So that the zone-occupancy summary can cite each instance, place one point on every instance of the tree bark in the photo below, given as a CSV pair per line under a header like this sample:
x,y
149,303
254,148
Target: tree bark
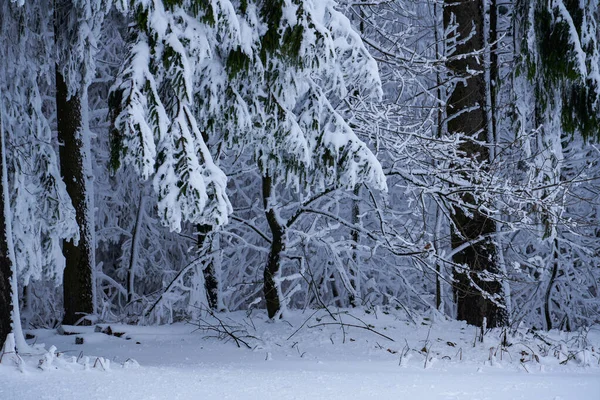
x,y
494,67
467,115
211,283
135,248
354,266
439,50
78,282
272,268
548,294
5,262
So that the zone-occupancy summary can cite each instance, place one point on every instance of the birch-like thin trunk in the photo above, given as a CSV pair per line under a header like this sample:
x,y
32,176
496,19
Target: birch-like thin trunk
x,y
10,316
135,248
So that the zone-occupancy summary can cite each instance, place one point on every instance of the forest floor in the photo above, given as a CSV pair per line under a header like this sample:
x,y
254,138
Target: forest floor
x,y
343,355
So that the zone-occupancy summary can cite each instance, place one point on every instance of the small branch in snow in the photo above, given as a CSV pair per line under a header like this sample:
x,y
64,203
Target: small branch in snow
x,y
368,328
223,330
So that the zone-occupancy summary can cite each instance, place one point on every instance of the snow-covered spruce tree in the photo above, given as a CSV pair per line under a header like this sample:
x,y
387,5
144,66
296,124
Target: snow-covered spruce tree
x,y
135,255
153,109
76,27
265,75
40,209
477,297
155,129
562,61
558,99
310,58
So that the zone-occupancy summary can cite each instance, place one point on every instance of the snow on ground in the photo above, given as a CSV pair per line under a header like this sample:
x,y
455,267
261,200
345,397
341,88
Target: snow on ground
x,y
308,357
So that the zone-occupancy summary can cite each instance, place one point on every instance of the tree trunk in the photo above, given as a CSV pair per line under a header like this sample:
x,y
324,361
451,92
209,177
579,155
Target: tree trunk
x,y
5,262
467,115
548,294
354,266
439,295
271,288
78,282
211,284
135,248
493,68
439,50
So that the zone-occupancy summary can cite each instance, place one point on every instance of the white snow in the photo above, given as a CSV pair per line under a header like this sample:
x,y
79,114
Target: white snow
x,y
304,359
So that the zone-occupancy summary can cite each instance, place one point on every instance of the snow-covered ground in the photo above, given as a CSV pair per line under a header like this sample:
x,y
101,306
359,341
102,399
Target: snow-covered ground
x,y
308,357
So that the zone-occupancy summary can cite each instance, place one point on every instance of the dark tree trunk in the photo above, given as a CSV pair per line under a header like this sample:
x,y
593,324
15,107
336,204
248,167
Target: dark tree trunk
x,y
277,247
472,306
211,284
439,49
494,73
548,295
78,284
5,263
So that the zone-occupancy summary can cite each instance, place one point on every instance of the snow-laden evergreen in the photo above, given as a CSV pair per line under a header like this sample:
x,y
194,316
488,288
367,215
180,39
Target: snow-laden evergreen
x,y
159,135
172,159
42,211
557,108
266,75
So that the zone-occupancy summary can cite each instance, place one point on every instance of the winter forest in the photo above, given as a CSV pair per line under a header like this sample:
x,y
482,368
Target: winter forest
x,y
172,161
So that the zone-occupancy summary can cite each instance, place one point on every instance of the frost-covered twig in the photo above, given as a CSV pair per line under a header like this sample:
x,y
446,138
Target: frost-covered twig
x,y
368,328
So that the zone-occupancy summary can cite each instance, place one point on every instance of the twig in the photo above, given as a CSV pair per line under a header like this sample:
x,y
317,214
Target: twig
x,y
223,330
343,330
353,326
98,360
304,323
427,357
404,352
